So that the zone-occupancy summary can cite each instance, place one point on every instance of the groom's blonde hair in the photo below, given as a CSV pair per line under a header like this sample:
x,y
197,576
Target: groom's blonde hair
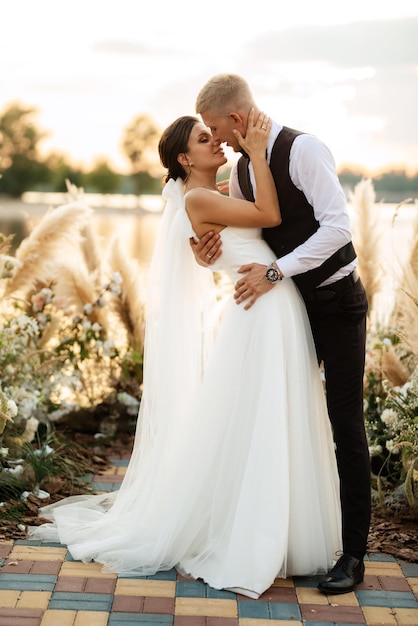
x,y
224,93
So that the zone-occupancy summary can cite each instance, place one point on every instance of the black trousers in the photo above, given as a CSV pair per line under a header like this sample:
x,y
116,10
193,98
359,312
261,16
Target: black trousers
x,y
339,330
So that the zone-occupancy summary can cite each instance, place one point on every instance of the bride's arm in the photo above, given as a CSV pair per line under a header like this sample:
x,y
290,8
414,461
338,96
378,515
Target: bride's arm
x,y
208,208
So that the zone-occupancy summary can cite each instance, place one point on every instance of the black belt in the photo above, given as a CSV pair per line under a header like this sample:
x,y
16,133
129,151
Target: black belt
x,y
328,292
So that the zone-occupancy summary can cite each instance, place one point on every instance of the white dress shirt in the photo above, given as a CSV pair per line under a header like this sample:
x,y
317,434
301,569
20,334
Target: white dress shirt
x,y
312,171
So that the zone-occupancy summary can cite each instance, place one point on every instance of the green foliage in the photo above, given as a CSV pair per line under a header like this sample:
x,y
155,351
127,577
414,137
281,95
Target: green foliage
x,y
48,463
396,180
12,486
101,178
392,185
140,141
59,170
20,165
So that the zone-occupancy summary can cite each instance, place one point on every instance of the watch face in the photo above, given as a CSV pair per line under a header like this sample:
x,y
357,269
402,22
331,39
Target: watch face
x,y
272,275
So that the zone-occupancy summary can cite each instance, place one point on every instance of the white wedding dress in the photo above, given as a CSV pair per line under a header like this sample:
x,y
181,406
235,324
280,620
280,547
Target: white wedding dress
x,y
236,483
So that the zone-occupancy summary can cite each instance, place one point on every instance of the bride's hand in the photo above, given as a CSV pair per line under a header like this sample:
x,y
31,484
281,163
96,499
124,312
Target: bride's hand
x,y
223,186
255,141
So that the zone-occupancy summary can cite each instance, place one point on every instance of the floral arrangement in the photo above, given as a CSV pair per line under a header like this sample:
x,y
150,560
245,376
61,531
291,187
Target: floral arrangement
x,y
391,414
71,333
391,368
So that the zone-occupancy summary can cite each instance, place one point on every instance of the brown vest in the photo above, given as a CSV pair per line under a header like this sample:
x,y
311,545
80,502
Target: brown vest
x,y
298,219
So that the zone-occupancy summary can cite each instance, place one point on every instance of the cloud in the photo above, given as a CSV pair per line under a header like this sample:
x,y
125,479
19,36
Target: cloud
x,y
363,74
121,47
376,43
131,48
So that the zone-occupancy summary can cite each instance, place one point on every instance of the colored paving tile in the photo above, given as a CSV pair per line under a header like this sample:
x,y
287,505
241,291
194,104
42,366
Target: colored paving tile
x,y
42,585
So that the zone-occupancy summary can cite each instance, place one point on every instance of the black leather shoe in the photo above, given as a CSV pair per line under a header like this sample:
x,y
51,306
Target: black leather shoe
x,y
344,576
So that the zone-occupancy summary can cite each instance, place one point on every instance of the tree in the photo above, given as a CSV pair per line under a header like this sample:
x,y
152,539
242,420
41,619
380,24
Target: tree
x,y
20,165
140,145
59,170
102,178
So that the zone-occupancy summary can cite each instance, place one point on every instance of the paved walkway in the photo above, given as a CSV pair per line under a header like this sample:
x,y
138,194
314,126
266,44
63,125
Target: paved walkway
x,y
41,585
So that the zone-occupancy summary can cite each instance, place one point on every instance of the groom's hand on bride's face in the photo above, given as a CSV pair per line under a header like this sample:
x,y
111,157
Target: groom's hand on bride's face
x,y
208,249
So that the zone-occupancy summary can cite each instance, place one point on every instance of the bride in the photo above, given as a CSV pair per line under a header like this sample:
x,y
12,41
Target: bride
x,y
233,476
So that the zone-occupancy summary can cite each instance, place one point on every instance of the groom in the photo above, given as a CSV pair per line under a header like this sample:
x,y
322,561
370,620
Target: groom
x,y
313,247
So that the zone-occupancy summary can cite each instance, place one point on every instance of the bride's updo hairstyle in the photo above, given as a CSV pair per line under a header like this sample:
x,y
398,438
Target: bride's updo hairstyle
x,y
174,141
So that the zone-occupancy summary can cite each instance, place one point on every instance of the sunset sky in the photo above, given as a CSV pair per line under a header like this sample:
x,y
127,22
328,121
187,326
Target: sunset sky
x,y
347,72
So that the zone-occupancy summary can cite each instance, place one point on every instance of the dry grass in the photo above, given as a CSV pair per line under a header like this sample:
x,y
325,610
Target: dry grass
x,y
366,235
57,232
393,368
92,253
5,243
404,317
129,306
78,286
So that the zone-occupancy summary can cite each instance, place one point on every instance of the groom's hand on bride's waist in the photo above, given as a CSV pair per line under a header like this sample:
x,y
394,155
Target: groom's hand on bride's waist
x,y
252,285
208,249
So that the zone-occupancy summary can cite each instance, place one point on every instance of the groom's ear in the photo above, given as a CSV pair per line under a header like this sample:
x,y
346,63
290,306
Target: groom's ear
x,y
236,118
239,122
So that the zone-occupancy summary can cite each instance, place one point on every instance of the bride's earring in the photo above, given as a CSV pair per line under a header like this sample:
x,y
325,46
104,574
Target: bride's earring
x,y
189,164
185,163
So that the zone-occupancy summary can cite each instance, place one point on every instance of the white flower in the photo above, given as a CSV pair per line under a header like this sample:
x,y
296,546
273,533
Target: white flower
x,y
46,294
41,494
4,452
11,408
375,450
391,447
96,327
389,417
31,427
387,342
18,469
26,324
42,318
117,278
46,450
38,302
86,324
404,390
116,289
127,399
108,347
27,405
88,308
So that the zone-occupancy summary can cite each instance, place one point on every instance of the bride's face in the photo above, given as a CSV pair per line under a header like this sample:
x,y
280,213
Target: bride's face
x,y
203,150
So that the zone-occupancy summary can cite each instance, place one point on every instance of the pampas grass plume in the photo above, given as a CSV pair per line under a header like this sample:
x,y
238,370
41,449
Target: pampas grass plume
x,y
58,229
366,234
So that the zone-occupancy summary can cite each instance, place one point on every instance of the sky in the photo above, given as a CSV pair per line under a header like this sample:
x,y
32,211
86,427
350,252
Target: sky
x,y
346,72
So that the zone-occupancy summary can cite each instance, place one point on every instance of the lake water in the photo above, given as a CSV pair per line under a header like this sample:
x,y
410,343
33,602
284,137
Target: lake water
x,y
134,221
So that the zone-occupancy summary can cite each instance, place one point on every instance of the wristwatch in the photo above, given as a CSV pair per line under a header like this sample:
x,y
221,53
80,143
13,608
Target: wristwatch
x,y
273,274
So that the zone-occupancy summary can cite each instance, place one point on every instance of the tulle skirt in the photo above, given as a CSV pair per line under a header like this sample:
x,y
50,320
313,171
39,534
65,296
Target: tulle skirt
x,y
247,490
